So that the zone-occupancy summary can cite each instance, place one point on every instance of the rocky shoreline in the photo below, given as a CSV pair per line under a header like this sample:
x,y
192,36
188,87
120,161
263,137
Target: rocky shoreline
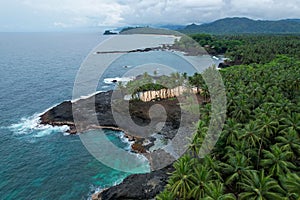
x,y
138,186
62,114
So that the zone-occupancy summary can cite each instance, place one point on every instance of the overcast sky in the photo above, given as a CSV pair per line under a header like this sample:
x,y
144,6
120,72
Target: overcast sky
x,y
43,15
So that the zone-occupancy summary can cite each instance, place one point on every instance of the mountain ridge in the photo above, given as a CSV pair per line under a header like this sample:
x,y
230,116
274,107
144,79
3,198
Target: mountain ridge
x,y
245,25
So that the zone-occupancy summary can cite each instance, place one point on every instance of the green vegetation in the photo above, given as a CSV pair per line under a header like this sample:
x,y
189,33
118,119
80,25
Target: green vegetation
x,y
217,44
263,48
247,49
151,83
257,155
238,25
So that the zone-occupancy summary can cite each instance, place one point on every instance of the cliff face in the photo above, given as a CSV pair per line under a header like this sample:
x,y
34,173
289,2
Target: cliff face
x,y
165,93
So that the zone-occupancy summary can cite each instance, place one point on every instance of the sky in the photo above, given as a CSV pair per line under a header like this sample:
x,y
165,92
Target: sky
x,y
48,15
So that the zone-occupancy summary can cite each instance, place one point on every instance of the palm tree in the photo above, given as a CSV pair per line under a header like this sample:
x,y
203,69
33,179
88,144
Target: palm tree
x,y
165,195
215,191
241,111
291,121
181,181
240,147
257,186
230,132
201,177
291,183
236,167
276,161
267,125
289,142
250,134
205,92
212,163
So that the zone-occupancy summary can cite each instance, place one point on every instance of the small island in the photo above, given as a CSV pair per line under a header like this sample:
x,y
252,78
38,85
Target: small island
x,y
109,32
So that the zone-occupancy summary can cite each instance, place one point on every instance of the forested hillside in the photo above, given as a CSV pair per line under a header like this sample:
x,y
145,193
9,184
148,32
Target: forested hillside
x,y
246,49
257,155
238,25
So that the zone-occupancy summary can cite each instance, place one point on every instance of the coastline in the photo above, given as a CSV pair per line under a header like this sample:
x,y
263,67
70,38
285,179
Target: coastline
x,y
62,115
99,104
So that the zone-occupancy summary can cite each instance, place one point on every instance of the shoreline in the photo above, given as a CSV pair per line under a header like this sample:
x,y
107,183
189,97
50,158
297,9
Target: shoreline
x,y
136,185
62,114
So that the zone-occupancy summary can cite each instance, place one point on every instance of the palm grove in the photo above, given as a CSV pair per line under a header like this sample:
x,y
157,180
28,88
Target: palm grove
x,y
257,154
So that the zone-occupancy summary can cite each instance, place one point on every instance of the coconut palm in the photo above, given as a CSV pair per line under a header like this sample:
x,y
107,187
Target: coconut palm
x,y
291,183
291,121
257,186
241,147
201,177
165,195
236,167
277,161
214,164
241,111
267,128
289,142
215,191
230,132
181,181
250,134
267,125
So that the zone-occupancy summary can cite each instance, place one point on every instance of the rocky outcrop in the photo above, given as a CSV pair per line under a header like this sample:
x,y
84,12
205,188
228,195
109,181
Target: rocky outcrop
x,y
62,114
137,186
100,106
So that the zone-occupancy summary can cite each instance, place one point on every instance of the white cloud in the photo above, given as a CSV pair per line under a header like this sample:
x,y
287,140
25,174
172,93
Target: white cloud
x,y
83,13
61,25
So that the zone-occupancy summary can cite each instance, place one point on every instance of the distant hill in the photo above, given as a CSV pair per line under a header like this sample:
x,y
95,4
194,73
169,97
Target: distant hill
x,y
147,30
245,25
172,27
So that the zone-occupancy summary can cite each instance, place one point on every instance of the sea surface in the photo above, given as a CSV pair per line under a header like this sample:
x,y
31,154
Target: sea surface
x,y
37,72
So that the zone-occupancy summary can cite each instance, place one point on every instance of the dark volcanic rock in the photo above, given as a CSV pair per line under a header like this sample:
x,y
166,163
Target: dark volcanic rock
x,y
138,186
60,113
101,106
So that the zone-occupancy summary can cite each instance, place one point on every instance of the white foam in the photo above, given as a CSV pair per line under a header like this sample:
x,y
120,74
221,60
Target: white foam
x,y
105,86
96,189
118,79
32,126
86,96
126,141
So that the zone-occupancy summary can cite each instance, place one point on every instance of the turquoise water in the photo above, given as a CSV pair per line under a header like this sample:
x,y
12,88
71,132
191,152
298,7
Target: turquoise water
x,y
37,71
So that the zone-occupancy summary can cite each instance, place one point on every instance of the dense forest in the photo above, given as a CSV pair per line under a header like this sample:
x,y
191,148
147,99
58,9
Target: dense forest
x,y
242,25
247,49
258,153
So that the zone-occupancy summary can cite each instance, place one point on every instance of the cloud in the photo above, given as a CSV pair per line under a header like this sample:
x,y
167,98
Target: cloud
x,y
86,13
61,25
106,12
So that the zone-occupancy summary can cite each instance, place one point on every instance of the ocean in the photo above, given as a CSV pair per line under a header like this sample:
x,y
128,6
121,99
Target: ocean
x,y
37,72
